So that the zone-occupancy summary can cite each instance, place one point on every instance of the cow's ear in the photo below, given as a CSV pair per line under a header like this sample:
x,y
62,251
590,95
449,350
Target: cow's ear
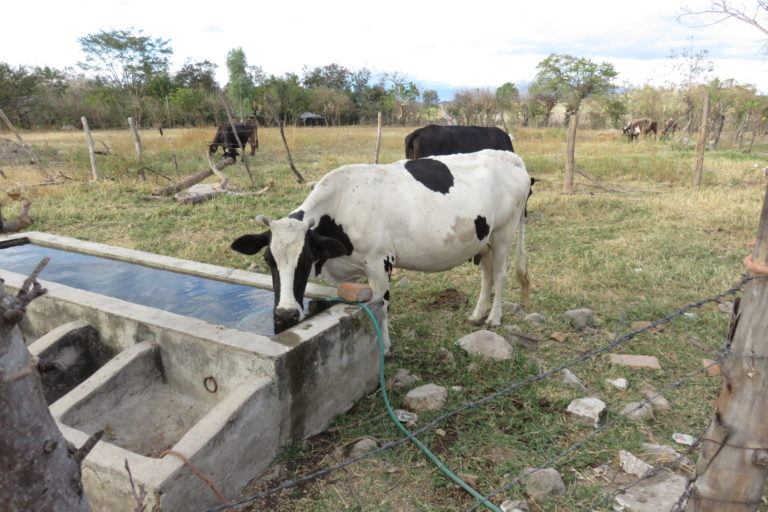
x,y
251,244
325,247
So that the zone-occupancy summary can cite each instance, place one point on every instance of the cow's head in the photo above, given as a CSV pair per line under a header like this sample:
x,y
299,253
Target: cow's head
x,y
292,250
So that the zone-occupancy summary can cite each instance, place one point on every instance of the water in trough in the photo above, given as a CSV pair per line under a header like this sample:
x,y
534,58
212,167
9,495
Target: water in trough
x,y
236,306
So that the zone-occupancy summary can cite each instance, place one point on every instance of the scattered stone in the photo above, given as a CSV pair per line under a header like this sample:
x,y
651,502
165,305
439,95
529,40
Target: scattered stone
x,y
587,411
690,316
620,383
402,379
512,309
487,345
634,466
355,292
660,453
657,494
572,381
685,439
725,307
559,336
541,484
457,389
428,397
469,478
514,506
499,455
581,318
473,367
364,445
635,361
711,368
638,411
659,404
535,318
406,417
445,356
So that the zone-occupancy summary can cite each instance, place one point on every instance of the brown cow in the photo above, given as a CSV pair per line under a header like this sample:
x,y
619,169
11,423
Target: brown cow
x,y
642,126
670,127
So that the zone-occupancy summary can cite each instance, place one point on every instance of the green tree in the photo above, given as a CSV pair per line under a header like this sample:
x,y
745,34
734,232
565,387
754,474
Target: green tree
x,y
197,75
508,99
243,80
573,79
403,94
124,58
23,90
330,76
430,100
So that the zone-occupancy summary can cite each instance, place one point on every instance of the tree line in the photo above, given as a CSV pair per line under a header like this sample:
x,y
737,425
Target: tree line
x,y
126,73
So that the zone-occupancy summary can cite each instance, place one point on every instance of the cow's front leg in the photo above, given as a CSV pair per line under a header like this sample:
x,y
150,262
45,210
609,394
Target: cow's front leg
x,y
378,280
486,284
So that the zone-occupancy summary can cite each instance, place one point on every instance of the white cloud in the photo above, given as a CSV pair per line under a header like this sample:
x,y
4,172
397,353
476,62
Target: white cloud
x,y
482,43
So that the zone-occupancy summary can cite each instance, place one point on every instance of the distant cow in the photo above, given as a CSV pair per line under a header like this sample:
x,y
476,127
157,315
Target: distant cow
x,y
435,140
248,132
643,126
670,127
429,214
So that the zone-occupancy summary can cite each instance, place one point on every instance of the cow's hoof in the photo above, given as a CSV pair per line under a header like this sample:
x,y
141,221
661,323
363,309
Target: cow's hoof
x,y
493,323
475,321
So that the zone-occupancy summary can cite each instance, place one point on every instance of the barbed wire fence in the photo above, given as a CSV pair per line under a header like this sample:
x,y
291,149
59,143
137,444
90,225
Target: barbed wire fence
x,y
528,380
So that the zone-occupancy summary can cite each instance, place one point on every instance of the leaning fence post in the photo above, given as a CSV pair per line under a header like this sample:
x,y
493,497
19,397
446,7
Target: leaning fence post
x,y
91,150
733,458
698,169
378,140
137,147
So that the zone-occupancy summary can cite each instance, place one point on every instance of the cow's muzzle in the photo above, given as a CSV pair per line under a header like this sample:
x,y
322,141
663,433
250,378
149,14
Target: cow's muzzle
x,y
285,319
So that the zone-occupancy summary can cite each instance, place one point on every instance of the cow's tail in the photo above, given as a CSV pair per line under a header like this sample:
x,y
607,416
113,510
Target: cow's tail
x,y
409,151
521,261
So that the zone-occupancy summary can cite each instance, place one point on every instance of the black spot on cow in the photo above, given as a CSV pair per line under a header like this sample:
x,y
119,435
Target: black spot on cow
x,y
298,215
386,295
476,259
481,227
433,174
530,193
328,227
387,265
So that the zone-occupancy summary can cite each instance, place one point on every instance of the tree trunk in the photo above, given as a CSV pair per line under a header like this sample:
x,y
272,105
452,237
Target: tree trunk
x,y
698,169
137,148
570,154
39,470
378,139
299,177
719,122
734,451
23,221
91,150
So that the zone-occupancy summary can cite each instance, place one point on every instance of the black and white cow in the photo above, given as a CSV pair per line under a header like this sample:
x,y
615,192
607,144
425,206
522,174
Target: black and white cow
x,y
435,140
643,126
431,214
225,137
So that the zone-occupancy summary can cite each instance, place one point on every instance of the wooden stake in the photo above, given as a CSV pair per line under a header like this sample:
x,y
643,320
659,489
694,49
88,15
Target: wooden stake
x,y
91,150
27,148
191,180
570,154
698,169
378,140
137,147
731,469
240,144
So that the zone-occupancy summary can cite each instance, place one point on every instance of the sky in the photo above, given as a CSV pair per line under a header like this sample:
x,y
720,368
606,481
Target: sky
x,y
440,45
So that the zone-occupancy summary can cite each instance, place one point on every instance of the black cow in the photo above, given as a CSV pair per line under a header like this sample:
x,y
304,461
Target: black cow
x,y
248,132
448,140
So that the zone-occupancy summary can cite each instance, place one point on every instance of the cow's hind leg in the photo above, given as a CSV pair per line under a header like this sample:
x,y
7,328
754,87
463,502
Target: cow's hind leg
x,y
500,243
378,280
521,264
486,284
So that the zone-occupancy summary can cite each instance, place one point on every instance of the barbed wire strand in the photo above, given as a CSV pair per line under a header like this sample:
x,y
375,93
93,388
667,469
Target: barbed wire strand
x,y
616,342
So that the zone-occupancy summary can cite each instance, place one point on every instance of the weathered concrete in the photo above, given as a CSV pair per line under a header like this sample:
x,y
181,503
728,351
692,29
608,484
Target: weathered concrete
x,y
225,399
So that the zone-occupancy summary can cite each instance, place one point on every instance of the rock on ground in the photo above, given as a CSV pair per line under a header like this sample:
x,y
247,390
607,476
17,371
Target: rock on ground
x,y
428,397
572,381
541,484
487,345
635,361
514,506
656,494
581,318
587,411
620,383
535,318
362,446
659,404
638,411
402,379
634,466
445,356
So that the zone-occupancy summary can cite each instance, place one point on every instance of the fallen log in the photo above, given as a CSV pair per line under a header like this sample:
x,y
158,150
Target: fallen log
x,y
20,223
193,179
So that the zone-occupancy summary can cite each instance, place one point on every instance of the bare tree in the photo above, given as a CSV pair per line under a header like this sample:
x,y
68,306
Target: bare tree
x,y
719,11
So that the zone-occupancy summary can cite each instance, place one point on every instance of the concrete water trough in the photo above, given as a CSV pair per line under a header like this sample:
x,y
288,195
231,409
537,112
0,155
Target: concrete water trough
x,y
161,355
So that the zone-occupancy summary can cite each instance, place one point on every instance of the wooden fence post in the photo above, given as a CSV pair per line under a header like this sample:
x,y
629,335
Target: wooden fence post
x,y
137,147
698,169
378,140
28,149
570,153
731,469
91,150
